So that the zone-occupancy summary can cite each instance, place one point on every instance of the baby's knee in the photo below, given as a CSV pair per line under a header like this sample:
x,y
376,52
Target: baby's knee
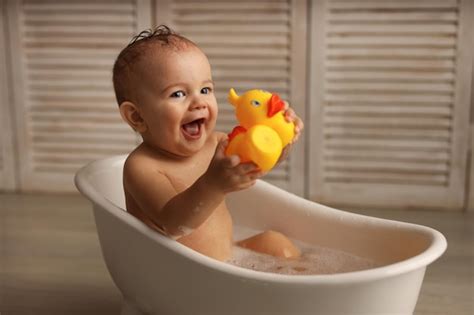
x,y
271,243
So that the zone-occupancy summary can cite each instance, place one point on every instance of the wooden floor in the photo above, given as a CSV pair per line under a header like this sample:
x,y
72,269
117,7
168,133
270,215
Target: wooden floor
x,y
51,262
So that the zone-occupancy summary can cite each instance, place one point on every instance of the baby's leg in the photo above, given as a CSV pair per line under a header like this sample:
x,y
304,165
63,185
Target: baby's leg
x,y
271,243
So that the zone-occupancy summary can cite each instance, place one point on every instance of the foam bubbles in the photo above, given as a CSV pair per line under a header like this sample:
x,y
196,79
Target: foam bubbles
x,y
185,230
314,260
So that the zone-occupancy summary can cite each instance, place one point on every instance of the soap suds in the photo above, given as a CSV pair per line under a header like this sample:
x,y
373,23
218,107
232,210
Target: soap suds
x,y
314,260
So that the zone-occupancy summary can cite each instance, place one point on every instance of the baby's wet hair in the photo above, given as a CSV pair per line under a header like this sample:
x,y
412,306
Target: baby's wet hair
x,y
126,64
161,33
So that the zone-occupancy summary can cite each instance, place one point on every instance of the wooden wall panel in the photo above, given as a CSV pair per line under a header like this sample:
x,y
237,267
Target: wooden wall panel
x,y
250,44
391,86
8,180
62,54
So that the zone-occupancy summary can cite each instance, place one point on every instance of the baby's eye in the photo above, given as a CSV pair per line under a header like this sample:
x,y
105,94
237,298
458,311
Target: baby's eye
x,y
178,94
255,103
206,90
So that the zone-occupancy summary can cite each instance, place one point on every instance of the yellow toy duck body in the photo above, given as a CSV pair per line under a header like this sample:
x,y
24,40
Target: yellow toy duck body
x,y
263,131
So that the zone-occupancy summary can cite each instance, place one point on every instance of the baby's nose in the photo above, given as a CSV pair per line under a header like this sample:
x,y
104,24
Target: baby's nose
x,y
198,103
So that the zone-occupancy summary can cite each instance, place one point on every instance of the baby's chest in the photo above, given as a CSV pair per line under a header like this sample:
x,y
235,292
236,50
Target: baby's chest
x,y
184,178
184,174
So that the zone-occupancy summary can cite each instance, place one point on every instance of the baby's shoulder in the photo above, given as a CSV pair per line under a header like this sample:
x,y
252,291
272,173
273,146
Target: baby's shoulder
x,y
140,162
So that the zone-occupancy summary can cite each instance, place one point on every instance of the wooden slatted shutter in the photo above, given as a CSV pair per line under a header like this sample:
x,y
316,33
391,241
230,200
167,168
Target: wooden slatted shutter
x,y
62,54
390,102
250,44
7,167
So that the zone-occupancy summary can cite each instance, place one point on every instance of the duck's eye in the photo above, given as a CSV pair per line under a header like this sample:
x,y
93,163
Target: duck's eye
x,y
177,94
255,103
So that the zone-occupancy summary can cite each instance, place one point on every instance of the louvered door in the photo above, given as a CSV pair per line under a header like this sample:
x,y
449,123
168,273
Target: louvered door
x,y
250,44
390,102
62,54
7,167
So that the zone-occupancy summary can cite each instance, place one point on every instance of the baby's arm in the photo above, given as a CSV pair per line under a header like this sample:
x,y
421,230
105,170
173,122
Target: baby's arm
x,y
177,214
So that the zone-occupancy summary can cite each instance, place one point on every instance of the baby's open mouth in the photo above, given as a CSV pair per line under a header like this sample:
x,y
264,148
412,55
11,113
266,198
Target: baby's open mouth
x,y
193,128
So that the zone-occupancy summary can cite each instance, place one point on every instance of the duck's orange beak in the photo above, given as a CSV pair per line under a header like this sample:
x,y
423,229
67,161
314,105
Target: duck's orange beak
x,y
275,104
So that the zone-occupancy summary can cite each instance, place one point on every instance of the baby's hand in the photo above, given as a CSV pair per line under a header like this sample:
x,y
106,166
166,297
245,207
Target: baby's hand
x,y
291,116
227,174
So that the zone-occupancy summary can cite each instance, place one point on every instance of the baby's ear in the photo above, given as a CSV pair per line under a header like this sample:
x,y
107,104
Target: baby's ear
x,y
131,115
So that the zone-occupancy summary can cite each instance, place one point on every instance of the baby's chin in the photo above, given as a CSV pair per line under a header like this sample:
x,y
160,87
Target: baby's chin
x,y
191,147
186,148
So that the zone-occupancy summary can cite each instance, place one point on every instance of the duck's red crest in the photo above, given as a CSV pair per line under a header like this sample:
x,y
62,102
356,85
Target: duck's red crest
x,y
235,132
275,104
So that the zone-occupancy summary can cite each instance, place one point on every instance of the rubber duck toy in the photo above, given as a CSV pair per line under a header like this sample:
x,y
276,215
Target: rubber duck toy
x,y
263,131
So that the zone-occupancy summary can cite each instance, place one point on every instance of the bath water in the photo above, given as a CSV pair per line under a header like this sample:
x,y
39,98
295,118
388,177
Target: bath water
x,y
314,260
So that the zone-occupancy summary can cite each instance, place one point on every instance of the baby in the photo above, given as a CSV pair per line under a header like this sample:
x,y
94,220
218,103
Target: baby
x,y
176,180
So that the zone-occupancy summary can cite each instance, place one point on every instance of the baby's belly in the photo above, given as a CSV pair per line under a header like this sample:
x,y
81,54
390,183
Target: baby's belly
x,y
214,237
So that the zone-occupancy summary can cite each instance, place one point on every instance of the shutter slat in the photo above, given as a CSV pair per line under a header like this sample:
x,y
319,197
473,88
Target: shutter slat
x,y
389,122
224,18
396,5
387,110
384,17
437,64
77,17
414,29
385,178
65,146
226,6
391,52
89,7
389,166
73,116
387,98
395,41
262,29
350,154
215,52
65,157
377,133
52,138
390,144
68,104
392,76
258,41
257,63
385,87
80,127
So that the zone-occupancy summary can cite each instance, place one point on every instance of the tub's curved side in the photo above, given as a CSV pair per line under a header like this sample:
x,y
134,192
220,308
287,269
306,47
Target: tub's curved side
x,y
162,276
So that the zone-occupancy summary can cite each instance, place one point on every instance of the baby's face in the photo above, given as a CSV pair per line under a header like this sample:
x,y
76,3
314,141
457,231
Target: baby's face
x,y
178,102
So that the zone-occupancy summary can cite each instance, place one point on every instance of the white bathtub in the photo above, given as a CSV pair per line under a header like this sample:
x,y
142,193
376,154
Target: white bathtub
x,y
157,275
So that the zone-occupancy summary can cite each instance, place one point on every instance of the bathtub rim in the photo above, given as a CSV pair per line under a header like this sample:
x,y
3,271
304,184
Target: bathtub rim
x,y
436,248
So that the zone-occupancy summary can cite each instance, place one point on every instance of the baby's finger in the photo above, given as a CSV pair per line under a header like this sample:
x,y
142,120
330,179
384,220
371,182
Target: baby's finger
x,y
246,168
255,175
298,128
290,115
298,124
232,161
220,149
246,184
295,138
